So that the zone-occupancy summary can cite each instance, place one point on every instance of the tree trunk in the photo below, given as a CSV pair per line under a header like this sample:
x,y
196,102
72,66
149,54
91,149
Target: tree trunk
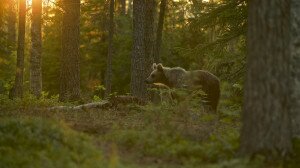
x,y
150,7
18,86
11,25
212,29
163,5
70,74
212,34
2,33
129,9
1,19
138,70
110,50
36,49
295,68
123,7
266,123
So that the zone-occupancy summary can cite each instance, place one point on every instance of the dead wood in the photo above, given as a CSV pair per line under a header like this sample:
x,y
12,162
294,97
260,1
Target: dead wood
x,y
112,102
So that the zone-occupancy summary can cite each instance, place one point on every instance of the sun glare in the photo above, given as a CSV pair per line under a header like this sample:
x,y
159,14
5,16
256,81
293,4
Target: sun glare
x,y
45,2
202,0
29,2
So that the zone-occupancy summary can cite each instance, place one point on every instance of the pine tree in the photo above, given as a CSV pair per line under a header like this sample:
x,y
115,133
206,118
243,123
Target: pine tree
x,y
17,90
70,73
156,54
11,25
108,76
295,68
36,49
138,70
150,7
266,121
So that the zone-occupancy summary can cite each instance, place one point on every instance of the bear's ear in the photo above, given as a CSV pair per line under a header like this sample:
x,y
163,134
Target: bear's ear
x,y
159,67
154,66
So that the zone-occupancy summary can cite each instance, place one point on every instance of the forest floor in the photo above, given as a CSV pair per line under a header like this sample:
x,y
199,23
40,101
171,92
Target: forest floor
x,y
154,135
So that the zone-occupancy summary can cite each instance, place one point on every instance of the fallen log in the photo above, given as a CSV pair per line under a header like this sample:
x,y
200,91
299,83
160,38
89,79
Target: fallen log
x,y
100,104
112,102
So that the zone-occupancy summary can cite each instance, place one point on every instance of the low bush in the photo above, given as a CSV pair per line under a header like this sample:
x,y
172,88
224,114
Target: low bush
x,y
45,143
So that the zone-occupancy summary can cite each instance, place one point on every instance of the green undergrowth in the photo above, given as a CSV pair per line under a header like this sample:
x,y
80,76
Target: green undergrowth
x,y
176,136
156,135
28,102
44,143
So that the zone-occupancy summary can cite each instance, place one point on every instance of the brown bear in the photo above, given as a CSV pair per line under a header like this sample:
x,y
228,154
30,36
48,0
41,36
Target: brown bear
x,y
178,77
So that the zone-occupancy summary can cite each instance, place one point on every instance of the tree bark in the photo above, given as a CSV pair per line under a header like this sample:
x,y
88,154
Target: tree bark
x,y
17,91
163,6
2,33
138,70
1,19
11,25
266,122
36,49
212,30
108,80
123,7
150,7
70,74
295,68
150,10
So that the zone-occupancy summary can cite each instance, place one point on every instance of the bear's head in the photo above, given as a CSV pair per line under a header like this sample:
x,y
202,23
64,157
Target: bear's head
x,y
157,75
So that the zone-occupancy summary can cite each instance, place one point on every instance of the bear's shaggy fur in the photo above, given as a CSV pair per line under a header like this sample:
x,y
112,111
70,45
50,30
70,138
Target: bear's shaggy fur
x,y
178,77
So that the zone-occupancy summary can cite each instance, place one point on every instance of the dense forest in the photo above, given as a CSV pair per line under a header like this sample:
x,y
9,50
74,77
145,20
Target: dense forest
x,y
149,83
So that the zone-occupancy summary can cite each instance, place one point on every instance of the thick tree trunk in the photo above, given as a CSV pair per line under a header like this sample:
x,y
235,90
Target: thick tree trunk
x,y
18,86
108,80
36,49
150,7
11,25
163,6
138,70
70,74
295,68
150,10
266,122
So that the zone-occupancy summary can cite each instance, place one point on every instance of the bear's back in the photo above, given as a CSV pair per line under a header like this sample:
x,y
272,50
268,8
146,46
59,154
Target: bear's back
x,y
176,76
208,82
202,77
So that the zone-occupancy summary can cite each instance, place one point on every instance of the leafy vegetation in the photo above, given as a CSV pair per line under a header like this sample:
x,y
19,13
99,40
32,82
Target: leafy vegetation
x,y
45,143
165,135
